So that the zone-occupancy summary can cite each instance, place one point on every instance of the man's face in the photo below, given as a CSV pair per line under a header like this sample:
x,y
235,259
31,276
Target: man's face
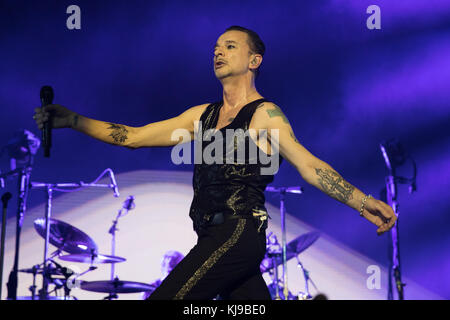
x,y
231,54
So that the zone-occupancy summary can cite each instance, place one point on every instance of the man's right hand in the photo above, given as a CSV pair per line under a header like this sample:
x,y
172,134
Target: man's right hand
x,y
61,117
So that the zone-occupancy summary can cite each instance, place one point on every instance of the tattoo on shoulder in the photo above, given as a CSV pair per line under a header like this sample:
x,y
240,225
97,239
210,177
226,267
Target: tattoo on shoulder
x,y
276,112
118,132
334,185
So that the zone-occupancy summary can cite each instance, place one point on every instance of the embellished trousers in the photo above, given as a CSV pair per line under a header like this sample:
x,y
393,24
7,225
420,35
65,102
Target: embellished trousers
x,y
224,262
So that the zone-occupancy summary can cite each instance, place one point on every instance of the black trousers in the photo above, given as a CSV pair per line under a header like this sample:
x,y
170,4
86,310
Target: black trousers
x,y
225,261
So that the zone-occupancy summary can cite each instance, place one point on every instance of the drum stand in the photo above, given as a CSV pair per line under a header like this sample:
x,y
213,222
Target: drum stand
x,y
282,192
33,287
306,295
274,254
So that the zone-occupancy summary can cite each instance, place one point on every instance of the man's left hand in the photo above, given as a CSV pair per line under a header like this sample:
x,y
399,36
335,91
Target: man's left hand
x,y
380,214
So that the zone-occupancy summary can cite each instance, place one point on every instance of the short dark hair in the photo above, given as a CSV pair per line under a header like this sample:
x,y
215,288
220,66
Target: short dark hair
x,y
254,42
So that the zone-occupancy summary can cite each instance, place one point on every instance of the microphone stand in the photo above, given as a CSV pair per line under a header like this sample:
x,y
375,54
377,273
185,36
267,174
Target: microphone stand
x,y
24,182
394,271
127,205
282,192
394,156
112,231
274,252
5,198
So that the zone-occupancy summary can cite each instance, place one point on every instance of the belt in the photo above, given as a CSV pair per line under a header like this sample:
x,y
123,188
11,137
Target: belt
x,y
220,217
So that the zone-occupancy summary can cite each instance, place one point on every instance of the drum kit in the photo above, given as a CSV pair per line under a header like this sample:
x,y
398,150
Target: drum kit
x,y
273,259
83,249
278,254
79,247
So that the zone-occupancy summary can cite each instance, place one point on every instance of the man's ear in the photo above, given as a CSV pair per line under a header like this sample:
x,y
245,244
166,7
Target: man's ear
x,y
255,61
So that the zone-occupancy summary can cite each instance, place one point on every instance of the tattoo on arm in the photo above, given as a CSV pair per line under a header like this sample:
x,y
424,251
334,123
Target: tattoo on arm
x,y
119,133
334,185
276,112
293,136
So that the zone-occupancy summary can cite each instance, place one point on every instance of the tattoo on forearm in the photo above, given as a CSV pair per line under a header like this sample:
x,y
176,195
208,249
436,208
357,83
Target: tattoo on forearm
x,y
230,119
334,185
276,112
119,133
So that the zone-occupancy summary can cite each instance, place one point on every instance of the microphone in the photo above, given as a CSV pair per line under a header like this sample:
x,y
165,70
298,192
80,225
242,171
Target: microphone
x,y
114,184
46,99
129,203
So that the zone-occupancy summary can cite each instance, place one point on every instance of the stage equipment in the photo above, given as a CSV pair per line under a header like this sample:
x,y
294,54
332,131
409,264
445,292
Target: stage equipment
x,y
66,237
93,258
282,192
116,286
45,224
273,259
395,156
127,205
5,198
21,150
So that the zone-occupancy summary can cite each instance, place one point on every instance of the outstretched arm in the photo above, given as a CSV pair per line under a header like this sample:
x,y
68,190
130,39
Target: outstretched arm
x,y
156,134
319,173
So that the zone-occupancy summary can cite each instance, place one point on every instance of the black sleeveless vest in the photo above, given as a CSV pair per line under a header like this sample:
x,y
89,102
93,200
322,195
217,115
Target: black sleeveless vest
x,y
231,188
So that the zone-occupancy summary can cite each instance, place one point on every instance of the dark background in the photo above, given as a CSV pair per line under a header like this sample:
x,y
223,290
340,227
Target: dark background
x,y
344,88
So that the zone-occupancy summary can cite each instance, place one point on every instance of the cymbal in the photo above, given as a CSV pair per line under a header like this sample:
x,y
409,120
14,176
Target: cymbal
x,y
302,242
116,286
293,248
91,258
36,297
66,237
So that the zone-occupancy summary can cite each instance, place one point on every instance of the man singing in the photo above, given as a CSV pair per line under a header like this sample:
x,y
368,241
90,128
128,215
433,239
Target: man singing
x,y
228,209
